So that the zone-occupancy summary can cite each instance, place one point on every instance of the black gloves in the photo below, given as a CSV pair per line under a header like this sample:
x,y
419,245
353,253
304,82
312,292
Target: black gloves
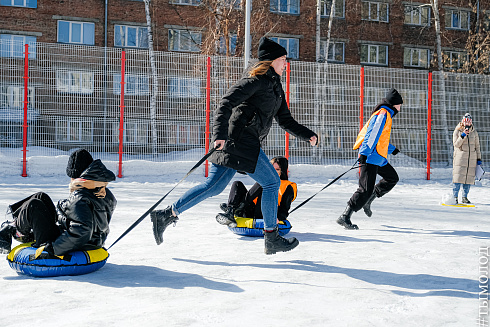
x,y
362,159
395,152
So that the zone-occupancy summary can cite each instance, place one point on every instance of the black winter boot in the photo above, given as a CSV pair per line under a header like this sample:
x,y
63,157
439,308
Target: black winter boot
x,y
227,217
344,219
161,219
7,231
276,243
464,199
367,206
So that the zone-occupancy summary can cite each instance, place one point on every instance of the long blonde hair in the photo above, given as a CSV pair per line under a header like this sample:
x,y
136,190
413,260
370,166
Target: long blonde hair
x,y
260,68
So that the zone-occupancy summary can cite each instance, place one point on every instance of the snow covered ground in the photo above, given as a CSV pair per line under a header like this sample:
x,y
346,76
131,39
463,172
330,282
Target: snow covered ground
x,y
414,263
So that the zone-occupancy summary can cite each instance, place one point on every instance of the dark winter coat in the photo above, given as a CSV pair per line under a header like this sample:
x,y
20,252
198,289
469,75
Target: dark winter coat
x,y
244,119
84,218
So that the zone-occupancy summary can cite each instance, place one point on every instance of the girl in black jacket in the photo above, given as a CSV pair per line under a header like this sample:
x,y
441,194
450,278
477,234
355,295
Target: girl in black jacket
x,y
241,123
80,222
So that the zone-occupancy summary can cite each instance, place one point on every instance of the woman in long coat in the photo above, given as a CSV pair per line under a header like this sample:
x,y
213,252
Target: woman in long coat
x,y
466,157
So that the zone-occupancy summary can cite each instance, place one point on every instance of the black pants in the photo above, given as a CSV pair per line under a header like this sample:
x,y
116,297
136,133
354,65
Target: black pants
x,y
36,214
239,194
367,179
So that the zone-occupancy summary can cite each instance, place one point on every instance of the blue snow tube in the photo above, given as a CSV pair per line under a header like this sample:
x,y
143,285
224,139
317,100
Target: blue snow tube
x,y
255,227
22,259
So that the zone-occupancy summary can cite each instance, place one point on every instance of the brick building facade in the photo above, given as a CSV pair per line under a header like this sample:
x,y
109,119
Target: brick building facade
x,y
389,33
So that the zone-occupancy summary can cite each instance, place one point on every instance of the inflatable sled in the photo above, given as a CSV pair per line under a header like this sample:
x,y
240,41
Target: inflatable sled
x,y
22,259
255,227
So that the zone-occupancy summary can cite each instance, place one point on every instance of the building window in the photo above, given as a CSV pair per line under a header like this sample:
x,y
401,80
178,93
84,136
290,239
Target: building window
x,y
182,40
19,3
74,130
373,96
417,15
374,11
13,46
454,59
130,36
374,54
75,82
180,87
134,84
231,45
457,19
413,57
15,97
76,32
135,132
186,2
290,44
284,6
335,51
326,5
293,92
486,21
183,133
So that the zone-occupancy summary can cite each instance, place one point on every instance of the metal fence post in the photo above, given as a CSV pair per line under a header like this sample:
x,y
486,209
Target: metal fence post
x,y
429,124
121,113
24,126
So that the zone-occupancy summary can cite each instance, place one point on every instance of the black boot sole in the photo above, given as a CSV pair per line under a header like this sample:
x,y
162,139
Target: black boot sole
x,y
346,225
274,251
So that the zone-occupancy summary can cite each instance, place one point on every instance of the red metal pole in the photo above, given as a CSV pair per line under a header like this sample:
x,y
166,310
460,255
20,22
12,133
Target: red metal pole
x,y
288,92
121,113
208,112
24,137
361,95
429,125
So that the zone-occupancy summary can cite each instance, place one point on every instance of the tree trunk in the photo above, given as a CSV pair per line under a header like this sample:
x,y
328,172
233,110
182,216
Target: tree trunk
x,y
442,81
154,88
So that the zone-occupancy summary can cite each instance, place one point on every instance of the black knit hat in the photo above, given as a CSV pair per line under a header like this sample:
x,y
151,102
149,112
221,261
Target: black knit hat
x,y
393,97
270,50
283,164
79,161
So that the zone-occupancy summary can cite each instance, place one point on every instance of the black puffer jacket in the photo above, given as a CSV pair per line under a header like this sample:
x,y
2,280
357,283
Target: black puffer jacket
x,y
84,218
244,119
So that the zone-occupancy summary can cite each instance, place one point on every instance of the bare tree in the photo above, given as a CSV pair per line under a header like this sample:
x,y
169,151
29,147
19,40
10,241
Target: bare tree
x,y
154,88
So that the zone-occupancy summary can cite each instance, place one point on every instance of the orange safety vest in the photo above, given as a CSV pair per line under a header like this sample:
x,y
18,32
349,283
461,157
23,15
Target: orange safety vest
x,y
384,139
282,189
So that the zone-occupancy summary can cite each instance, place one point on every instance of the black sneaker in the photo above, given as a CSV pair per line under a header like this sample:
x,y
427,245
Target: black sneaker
x,y
276,243
7,231
161,219
226,218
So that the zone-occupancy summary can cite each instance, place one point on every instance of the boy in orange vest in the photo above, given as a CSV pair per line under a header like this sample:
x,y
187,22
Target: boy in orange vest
x,y
374,146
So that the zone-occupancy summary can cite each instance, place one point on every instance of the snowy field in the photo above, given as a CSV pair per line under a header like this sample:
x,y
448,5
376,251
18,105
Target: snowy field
x,y
414,263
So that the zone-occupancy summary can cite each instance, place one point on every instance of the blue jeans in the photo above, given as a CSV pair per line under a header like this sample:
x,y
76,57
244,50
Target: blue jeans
x,y
466,189
220,176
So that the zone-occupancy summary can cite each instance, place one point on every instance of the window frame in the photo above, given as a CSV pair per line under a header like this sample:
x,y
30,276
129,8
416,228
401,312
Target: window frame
x,y
377,54
419,10
325,12
139,88
11,3
9,43
138,41
74,89
183,3
462,58
275,7
184,89
194,46
84,25
451,20
70,121
412,49
231,47
378,11
335,44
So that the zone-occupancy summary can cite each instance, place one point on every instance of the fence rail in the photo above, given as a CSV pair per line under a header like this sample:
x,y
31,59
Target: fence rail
x,y
61,97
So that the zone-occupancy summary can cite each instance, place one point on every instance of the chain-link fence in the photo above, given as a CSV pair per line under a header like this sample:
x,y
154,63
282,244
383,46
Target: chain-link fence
x,y
76,98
